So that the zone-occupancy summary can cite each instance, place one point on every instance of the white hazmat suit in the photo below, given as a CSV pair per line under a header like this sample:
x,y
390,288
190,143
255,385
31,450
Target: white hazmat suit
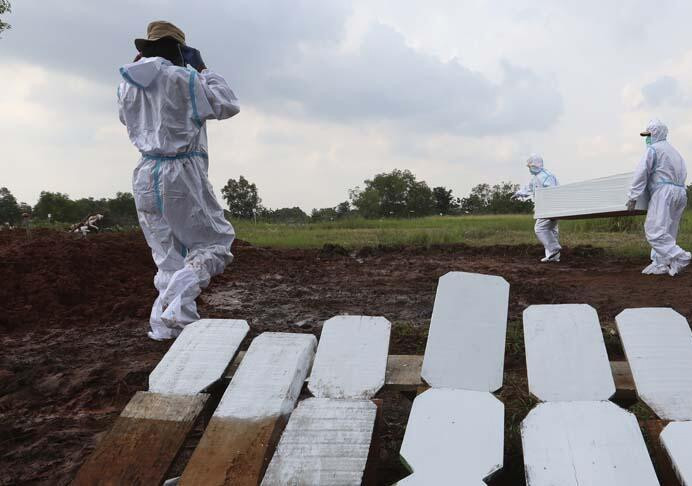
x,y
165,108
546,230
662,171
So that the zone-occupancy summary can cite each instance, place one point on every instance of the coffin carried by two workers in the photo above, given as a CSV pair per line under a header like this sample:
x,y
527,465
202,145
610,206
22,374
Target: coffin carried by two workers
x,y
595,198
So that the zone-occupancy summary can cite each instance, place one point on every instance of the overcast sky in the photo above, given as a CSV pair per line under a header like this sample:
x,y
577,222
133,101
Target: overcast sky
x,y
333,92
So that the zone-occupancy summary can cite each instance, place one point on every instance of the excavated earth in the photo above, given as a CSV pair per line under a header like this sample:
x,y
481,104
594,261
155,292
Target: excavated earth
x,y
73,317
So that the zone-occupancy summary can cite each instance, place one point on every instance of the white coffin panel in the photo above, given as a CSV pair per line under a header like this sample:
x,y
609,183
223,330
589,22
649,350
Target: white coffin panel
x,y
198,357
326,443
453,434
677,441
466,342
270,377
580,443
351,357
565,354
658,346
605,196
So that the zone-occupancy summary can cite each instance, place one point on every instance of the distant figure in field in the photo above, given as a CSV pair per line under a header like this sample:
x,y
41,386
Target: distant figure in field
x,y
661,171
165,98
546,229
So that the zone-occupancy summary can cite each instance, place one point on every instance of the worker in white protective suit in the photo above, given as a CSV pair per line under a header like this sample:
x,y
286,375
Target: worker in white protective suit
x,y
546,229
164,105
662,172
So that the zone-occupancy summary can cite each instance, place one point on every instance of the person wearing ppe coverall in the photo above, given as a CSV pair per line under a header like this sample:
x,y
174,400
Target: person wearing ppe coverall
x,y
164,106
546,229
661,172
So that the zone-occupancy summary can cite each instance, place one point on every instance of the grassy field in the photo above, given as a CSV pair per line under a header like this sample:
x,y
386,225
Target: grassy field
x,y
623,236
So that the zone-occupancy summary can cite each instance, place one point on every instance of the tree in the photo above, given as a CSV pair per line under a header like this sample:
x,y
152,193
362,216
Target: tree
x,y
5,7
323,214
10,211
122,210
495,200
444,201
502,200
25,208
477,201
343,209
396,194
58,205
241,197
420,200
287,215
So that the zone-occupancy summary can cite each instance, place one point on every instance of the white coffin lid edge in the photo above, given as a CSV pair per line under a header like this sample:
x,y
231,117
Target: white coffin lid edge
x,y
198,357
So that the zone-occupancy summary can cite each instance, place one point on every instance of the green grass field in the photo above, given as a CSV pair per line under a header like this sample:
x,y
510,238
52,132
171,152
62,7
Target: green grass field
x,y
622,236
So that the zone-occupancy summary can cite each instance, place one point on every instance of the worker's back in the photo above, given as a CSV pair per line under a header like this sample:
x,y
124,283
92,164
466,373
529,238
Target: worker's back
x,y
669,167
164,106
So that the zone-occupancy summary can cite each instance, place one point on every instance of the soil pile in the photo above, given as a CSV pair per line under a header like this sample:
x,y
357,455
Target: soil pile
x,y
59,279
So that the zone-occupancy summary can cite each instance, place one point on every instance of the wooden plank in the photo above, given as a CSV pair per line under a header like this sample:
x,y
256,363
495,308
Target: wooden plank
x,y
566,357
580,443
676,439
141,445
602,196
453,435
351,358
246,426
658,346
326,443
625,392
466,342
403,372
198,357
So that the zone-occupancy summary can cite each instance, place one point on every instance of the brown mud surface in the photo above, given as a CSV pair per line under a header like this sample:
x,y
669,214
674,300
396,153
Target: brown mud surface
x,y
73,317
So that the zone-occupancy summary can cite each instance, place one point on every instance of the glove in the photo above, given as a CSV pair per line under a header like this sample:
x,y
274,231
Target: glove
x,y
631,204
192,57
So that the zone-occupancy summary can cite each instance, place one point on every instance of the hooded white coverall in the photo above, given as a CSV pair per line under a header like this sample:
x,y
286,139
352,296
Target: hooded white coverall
x,y
165,108
546,230
662,171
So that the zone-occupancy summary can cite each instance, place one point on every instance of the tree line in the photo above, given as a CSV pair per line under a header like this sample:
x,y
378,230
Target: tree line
x,y
59,208
395,194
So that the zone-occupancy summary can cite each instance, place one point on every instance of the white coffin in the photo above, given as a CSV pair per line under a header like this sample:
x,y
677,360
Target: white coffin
x,y
595,198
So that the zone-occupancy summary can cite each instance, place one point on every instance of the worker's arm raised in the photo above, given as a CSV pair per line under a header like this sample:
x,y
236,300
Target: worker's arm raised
x,y
215,100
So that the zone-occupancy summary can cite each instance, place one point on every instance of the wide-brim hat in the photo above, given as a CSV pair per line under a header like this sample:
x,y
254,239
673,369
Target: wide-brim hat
x,y
160,29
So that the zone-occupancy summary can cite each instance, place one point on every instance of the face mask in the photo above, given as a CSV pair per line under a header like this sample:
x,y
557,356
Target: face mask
x,y
534,170
648,140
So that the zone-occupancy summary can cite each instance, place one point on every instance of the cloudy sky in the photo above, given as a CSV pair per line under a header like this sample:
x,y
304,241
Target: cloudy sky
x,y
332,92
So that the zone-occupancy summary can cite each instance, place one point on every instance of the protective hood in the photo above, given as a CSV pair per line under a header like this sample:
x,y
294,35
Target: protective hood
x,y
535,161
657,129
143,72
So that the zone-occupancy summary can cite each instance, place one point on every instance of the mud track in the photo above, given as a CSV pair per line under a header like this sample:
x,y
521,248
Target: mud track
x,y
73,318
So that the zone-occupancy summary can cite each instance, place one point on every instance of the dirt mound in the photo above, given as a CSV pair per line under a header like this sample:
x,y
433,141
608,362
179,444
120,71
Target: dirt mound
x,y
53,278
57,279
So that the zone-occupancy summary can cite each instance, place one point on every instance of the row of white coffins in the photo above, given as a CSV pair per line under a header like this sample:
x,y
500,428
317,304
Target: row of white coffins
x,y
455,432
575,436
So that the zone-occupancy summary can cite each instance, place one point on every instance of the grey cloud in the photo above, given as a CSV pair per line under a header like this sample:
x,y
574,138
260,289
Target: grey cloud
x,y
285,56
665,90
385,80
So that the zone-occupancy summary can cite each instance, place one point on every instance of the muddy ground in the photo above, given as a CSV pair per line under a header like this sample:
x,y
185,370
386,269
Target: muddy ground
x,y
73,316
